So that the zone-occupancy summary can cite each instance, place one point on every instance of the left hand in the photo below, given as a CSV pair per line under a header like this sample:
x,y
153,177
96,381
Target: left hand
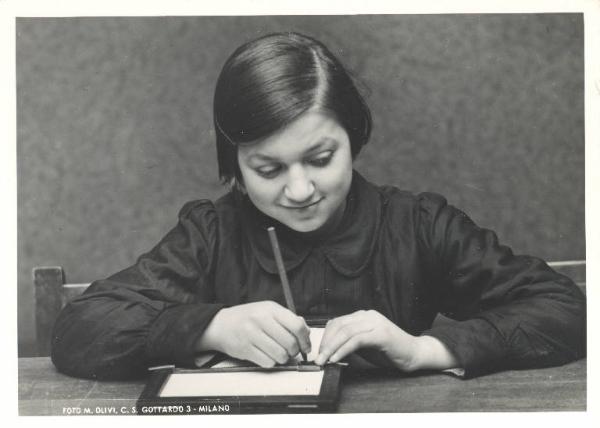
x,y
370,329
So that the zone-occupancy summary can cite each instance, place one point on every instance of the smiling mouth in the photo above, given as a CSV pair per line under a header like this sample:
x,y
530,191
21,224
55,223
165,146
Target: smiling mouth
x,y
303,206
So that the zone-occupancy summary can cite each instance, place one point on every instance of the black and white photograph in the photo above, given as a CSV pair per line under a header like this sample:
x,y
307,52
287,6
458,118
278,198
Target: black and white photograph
x,y
302,213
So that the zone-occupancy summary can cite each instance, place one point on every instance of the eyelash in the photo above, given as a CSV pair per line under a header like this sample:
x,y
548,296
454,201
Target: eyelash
x,y
319,162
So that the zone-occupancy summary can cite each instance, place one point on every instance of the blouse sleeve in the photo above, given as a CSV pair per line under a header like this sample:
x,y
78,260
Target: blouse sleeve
x,y
151,313
505,310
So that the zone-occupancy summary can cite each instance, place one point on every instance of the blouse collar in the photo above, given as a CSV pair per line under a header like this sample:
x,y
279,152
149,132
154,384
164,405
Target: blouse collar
x,y
348,247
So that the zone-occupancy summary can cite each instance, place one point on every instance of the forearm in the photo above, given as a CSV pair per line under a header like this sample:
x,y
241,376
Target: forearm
x,y
110,337
504,311
100,339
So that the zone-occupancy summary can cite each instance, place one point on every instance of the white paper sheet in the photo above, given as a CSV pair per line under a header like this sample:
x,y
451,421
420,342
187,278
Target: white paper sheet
x,y
242,384
316,334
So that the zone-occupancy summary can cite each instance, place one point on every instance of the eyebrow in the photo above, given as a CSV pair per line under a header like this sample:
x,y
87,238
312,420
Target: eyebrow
x,y
312,149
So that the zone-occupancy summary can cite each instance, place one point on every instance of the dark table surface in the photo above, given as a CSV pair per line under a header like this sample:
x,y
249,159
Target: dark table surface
x,y
44,391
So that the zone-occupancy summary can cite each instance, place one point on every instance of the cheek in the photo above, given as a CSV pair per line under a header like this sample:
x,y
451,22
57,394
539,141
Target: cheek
x,y
340,175
261,192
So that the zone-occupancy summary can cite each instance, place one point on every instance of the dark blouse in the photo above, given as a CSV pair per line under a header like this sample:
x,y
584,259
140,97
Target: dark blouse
x,y
407,256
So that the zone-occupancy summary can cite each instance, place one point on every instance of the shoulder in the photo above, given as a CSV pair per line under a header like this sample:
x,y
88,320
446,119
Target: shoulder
x,y
402,201
427,213
208,214
427,217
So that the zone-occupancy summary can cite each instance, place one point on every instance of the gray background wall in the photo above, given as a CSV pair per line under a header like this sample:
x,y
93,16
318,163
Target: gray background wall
x,y
115,128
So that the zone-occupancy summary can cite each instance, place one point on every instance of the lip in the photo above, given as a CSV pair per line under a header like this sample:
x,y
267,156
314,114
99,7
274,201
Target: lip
x,y
303,206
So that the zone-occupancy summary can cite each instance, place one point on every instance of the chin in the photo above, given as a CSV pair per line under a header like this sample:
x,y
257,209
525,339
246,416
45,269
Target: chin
x,y
304,227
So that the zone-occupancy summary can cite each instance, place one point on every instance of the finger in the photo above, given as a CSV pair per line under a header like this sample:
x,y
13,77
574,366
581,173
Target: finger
x,y
341,335
356,342
337,331
274,350
283,337
296,326
259,357
332,327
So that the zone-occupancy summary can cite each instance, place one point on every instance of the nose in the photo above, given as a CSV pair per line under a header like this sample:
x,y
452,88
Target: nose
x,y
299,188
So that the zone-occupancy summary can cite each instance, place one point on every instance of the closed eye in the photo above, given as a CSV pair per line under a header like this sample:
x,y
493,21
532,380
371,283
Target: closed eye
x,y
269,171
321,160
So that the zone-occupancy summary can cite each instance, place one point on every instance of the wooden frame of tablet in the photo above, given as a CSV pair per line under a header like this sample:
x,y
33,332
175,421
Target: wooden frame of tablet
x,y
151,403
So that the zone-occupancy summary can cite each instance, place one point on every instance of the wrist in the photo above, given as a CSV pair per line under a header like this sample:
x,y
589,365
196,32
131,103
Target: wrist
x,y
210,339
430,353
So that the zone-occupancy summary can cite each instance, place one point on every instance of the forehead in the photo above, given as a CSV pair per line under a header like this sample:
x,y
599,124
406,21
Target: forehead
x,y
310,130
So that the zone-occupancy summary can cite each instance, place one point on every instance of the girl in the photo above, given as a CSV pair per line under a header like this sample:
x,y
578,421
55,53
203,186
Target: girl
x,y
378,262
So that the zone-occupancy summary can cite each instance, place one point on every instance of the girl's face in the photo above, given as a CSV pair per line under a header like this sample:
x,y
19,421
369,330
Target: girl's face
x,y
300,175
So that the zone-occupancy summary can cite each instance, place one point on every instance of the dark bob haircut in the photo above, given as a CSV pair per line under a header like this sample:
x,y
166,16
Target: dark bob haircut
x,y
267,83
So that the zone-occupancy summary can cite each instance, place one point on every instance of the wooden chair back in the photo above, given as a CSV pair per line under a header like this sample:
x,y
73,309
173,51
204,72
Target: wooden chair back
x,y
574,269
51,294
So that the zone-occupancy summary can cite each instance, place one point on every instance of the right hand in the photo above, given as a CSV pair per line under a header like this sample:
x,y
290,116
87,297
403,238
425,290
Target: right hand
x,y
264,332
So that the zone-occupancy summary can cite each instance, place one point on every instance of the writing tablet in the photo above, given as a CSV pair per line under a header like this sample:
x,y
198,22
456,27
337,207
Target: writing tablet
x,y
172,391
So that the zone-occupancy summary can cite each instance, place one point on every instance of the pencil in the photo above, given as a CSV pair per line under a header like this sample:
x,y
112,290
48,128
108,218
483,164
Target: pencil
x,y
287,292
